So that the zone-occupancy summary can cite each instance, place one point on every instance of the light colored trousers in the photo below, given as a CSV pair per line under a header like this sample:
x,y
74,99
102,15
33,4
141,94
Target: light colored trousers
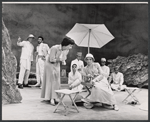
x,y
116,86
24,73
39,70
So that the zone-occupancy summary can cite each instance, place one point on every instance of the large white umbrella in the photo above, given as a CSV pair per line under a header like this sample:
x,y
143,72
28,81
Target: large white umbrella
x,y
90,35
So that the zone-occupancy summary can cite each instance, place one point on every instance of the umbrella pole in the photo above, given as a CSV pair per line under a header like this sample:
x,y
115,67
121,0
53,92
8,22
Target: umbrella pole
x,y
89,41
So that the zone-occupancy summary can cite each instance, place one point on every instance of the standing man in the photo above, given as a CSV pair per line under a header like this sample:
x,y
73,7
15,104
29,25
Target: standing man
x,y
78,61
106,69
25,60
42,50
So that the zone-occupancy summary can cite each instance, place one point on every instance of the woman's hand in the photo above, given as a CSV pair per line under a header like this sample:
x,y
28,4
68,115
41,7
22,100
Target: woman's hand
x,y
89,76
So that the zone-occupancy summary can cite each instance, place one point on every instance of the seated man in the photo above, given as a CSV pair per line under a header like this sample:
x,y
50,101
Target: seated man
x,y
75,78
117,80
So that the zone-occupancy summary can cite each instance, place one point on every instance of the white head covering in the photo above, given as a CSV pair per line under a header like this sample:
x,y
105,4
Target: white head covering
x,y
89,55
103,59
30,36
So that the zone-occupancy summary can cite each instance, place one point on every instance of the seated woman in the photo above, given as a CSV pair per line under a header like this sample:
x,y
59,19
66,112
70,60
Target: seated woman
x,y
74,79
101,91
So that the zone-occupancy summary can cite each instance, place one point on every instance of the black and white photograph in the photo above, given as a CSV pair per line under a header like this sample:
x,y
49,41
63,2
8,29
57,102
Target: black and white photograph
x,y
75,60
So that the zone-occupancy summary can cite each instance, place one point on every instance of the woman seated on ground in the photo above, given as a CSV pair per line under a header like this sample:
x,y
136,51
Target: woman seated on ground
x,y
101,91
74,79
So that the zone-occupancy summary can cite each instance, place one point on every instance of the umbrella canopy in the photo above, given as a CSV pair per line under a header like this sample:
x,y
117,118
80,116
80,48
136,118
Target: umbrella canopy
x,y
90,35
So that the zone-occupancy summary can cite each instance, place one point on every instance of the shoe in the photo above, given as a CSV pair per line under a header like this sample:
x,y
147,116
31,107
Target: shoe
x,y
116,108
20,86
56,101
52,102
88,105
26,85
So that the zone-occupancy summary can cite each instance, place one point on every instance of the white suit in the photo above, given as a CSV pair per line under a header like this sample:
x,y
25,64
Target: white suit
x,y
106,71
118,80
42,50
25,61
79,63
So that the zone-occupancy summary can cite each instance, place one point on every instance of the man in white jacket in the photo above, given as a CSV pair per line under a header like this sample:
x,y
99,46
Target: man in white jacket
x,y
105,68
42,51
78,61
25,60
118,80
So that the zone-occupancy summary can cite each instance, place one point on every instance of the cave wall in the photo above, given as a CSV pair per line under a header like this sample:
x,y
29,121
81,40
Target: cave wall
x,y
10,93
127,22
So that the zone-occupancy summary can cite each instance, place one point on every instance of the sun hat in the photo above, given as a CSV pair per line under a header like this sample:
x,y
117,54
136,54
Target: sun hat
x,y
30,36
89,55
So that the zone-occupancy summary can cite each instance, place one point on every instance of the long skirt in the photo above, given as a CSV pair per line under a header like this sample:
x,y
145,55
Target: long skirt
x,y
51,81
101,92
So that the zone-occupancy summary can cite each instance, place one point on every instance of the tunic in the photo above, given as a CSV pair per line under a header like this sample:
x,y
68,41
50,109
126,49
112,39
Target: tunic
x,y
75,80
51,77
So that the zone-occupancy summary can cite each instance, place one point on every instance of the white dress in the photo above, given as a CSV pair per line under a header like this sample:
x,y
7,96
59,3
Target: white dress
x,y
75,81
101,91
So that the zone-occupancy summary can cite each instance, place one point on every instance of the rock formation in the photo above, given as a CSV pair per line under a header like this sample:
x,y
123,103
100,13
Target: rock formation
x,y
128,23
10,93
134,68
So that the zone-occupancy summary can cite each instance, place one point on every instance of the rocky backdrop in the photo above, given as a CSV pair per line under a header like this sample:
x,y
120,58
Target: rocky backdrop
x,y
128,23
134,68
10,93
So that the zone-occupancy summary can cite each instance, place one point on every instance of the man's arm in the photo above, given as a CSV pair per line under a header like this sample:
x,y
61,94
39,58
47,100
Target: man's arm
x,y
110,78
20,43
121,79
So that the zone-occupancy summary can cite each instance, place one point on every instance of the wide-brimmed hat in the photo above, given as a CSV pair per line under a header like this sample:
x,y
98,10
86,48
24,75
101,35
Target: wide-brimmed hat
x,y
30,36
89,55
103,59
79,53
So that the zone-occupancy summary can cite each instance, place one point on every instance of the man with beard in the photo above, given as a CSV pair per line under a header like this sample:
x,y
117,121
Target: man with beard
x,y
41,50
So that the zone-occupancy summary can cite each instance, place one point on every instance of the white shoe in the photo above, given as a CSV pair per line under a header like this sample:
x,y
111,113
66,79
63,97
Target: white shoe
x,y
116,108
52,102
88,105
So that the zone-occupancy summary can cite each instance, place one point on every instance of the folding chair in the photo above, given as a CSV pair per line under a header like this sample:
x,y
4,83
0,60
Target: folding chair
x,y
88,86
131,91
67,92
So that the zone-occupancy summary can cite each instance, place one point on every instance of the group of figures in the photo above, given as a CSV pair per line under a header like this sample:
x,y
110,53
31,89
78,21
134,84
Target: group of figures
x,y
48,72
